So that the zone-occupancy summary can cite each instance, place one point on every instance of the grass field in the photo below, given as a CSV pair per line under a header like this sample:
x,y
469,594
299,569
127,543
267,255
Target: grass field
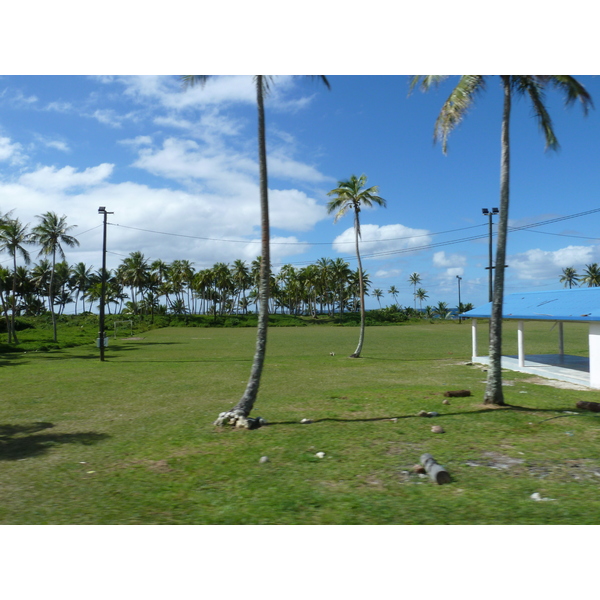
x,y
131,441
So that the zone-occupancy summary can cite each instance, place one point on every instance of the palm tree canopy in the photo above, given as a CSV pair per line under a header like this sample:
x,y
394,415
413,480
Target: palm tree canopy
x,y
469,86
352,194
52,232
13,236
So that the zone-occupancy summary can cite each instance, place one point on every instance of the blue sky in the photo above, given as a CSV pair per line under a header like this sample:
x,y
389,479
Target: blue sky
x,y
184,163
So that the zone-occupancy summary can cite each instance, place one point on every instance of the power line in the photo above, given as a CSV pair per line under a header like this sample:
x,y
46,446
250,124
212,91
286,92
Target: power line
x,y
196,237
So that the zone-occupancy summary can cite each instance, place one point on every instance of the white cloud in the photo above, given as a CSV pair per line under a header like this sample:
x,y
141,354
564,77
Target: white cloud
x,y
386,238
140,140
452,261
385,274
52,179
545,264
11,152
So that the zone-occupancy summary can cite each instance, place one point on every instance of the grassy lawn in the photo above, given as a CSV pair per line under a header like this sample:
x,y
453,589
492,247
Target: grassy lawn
x,y
131,441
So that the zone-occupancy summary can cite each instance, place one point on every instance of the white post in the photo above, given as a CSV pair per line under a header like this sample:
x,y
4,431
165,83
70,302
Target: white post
x,y
473,338
520,345
561,341
594,339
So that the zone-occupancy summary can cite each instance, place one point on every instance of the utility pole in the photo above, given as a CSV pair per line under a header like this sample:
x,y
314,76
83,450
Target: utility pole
x,y
102,210
458,277
490,214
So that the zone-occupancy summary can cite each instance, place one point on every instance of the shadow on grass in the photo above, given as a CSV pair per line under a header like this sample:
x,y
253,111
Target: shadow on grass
x,y
490,410
24,441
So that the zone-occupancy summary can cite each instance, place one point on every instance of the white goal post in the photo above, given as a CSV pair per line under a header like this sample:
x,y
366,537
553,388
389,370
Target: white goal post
x,y
123,323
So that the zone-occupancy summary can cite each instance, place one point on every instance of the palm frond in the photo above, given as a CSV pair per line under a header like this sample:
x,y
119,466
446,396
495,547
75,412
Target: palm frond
x,y
192,80
426,82
534,88
456,106
573,90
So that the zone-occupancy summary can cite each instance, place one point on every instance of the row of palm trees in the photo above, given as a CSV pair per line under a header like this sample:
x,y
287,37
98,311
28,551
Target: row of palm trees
x,y
51,233
589,278
141,286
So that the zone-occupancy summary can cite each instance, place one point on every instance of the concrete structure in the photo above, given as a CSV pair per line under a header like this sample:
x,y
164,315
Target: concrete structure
x,y
562,306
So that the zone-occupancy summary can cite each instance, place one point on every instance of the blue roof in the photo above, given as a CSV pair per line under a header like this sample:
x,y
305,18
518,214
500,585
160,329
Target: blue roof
x,y
581,304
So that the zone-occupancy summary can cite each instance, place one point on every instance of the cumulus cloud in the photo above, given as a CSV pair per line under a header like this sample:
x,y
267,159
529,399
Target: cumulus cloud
x,y
53,179
11,152
440,259
546,264
392,239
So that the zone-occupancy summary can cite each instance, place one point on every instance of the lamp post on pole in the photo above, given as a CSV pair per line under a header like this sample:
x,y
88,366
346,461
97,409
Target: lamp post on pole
x,y
102,210
458,277
490,214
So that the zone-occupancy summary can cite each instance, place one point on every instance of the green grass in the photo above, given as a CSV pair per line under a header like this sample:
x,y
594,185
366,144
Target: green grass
x,y
131,441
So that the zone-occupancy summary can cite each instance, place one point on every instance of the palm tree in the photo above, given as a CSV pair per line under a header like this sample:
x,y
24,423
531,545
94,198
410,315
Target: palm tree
x,y
421,294
569,277
13,237
450,116
414,280
352,195
378,294
239,413
441,310
394,292
591,275
51,233
80,280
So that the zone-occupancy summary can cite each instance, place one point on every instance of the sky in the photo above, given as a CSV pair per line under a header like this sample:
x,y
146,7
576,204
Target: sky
x,y
178,168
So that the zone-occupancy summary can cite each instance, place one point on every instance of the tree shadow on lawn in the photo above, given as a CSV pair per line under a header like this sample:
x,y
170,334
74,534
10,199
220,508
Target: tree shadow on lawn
x,y
435,420
24,441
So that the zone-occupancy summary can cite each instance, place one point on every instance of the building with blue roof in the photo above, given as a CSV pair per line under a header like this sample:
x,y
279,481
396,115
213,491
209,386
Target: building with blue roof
x,y
581,305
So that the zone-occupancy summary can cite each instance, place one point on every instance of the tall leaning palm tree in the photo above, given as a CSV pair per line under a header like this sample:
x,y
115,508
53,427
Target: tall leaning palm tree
x,y
238,415
348,196
452,113
13,238
51,233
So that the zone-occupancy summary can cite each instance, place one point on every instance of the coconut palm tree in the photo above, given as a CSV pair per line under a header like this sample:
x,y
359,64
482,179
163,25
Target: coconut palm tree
x,y
50,234
452,113
591,275
13,238
569,277
239,413
414,280
394,292
421,295
80,281
348,196
378,293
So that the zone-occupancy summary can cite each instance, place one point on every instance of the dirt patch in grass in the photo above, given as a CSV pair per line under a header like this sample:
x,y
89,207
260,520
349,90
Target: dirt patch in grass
x,y
563,385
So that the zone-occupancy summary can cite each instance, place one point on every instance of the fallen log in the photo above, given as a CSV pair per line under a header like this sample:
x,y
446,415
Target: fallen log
x,y
593,406
457,394
435,471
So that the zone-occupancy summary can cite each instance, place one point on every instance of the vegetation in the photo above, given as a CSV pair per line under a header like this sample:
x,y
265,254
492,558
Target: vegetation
x,y
128,441
452,113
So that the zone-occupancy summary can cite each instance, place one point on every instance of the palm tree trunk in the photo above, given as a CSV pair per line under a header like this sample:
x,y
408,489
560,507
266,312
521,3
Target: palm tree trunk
x,y
52,296
361,287
14,302
245,405
493,391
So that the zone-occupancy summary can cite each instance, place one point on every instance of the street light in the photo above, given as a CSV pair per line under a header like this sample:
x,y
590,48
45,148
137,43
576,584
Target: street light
x,y
458,277
490,214
102,210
